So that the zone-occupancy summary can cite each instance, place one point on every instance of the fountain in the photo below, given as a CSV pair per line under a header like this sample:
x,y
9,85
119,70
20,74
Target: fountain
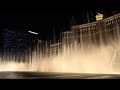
x,y
95,52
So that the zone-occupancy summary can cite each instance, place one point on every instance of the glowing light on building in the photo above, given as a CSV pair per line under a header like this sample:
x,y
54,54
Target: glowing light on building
x,y
99,16
33,32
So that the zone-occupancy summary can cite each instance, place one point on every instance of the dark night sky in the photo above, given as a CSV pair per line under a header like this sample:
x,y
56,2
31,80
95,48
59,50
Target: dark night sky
x,y
44,21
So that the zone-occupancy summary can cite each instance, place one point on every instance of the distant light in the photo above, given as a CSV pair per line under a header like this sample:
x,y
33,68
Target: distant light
x,y
99,16
33,32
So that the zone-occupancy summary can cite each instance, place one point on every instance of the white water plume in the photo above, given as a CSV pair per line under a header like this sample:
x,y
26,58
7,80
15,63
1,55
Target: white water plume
x,y
93,60
102,58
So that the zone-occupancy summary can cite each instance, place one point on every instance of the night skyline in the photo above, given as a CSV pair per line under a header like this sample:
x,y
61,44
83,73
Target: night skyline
x,y
45,21
60,40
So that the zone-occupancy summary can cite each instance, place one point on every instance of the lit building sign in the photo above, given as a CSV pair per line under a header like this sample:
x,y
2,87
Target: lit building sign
x,y
99,16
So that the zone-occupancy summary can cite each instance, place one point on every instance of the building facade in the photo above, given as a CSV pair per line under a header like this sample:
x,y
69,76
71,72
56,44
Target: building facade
x,y
17,45
13,45
94,33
